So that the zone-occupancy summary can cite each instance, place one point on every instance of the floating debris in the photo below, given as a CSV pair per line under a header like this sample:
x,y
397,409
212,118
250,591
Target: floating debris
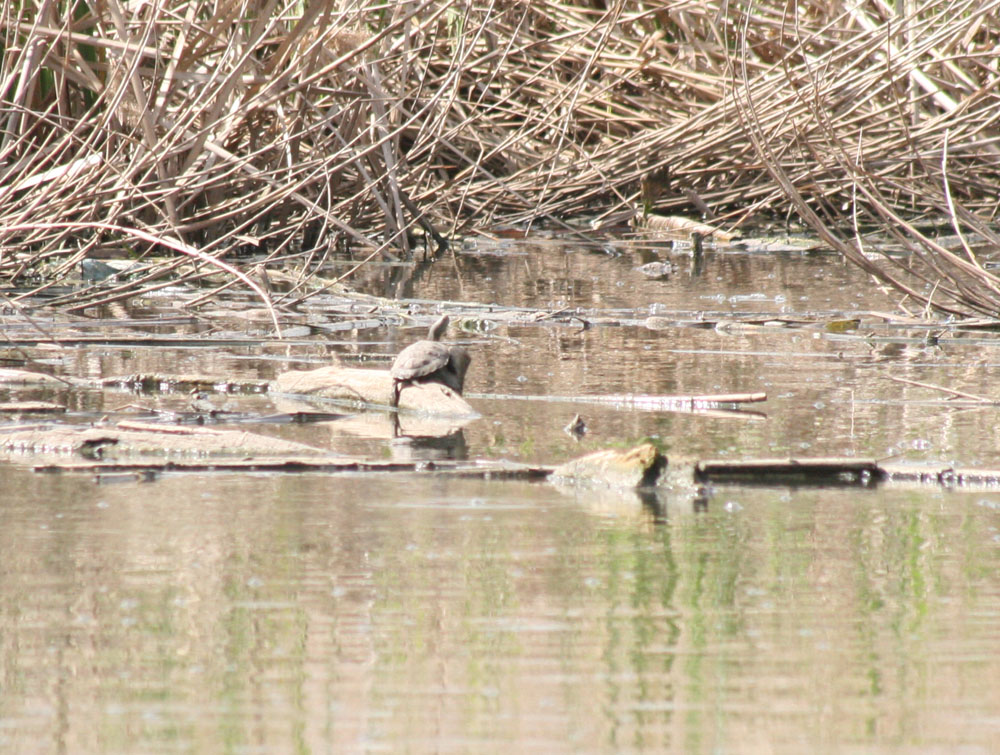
x,y
657,270
576,428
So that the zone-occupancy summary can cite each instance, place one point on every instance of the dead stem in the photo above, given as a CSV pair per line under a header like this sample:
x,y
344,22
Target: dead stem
x,y
305,129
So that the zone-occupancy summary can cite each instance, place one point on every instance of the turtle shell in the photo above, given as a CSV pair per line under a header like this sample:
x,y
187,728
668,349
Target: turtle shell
x,y
419,360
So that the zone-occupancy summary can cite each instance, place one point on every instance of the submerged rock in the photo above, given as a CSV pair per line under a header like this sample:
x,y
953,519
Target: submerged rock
x,y
656,270
637,467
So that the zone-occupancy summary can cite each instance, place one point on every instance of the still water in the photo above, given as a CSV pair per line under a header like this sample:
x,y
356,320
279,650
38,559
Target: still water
x,y
310,614
313,613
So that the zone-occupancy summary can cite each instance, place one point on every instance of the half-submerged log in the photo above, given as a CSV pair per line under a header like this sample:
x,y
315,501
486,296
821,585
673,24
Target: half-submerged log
x,y
836,471
818,471
492,470
131,440
362,386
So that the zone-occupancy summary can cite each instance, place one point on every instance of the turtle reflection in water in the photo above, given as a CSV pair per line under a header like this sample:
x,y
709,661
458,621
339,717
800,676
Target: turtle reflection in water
x,y
430,361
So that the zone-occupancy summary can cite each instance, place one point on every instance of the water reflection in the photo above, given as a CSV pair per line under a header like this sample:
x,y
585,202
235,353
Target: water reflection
x,y
429,448
355,614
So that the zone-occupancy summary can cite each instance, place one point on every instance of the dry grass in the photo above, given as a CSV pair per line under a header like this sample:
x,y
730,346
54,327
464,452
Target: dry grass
x,y
256,125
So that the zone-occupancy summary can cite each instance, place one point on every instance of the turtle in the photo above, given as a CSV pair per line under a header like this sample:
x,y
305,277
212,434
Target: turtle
x,y
430,361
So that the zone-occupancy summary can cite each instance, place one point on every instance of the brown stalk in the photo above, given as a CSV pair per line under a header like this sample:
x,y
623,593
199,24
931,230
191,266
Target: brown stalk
x,y
217,123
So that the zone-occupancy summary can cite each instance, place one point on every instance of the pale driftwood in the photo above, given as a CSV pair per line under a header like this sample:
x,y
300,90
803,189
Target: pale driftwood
x,y
715,403
372,387
135,439
635,468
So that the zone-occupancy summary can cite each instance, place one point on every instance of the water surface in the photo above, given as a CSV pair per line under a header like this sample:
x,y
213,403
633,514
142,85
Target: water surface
x,y
299,613
314,613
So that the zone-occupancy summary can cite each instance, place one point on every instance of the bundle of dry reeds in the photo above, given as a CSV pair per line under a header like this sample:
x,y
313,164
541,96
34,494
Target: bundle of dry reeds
x,y
207,129
891,119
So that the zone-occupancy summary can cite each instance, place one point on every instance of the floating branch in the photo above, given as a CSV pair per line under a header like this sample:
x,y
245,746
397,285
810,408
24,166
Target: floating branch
x,y
647,403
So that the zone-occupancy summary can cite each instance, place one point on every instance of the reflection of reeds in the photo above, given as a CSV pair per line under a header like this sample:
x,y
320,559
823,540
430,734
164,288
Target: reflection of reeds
x,y
223,126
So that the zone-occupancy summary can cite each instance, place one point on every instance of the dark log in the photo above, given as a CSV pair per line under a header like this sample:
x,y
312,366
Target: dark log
x,y
820,471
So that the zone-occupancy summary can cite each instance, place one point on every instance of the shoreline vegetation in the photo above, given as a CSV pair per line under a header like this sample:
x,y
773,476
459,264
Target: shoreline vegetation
x,y
291,132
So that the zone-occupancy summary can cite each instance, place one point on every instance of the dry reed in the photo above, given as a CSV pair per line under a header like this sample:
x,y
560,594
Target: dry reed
x,y
263,126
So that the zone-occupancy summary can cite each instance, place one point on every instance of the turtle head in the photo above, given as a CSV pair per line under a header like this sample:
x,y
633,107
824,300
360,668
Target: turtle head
x,y
458,364
438,328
